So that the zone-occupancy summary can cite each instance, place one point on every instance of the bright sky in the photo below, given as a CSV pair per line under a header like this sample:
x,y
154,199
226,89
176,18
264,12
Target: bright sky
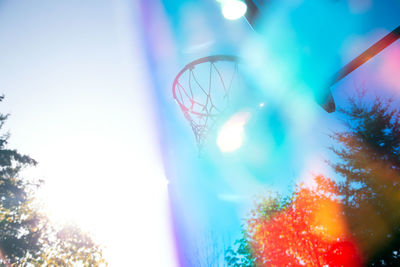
x,y
76,86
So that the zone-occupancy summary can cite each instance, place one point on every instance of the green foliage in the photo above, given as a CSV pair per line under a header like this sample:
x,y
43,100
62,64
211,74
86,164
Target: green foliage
x,y
68,246
27,237
242,254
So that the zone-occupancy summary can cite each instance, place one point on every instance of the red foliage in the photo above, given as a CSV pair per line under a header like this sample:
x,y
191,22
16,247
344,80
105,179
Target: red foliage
x,y
309,231
343,253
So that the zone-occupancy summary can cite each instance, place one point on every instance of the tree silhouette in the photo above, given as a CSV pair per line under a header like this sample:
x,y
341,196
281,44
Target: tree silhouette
x,y
369,161
27,237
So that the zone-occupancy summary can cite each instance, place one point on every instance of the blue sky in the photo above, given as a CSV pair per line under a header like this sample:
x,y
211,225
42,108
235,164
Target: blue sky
x,y
295,52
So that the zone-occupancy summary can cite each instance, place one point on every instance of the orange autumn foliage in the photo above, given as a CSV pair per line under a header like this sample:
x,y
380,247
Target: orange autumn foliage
x,y
309,231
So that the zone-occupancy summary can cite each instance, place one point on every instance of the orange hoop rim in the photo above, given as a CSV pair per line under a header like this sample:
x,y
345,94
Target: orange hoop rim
x,y
192,65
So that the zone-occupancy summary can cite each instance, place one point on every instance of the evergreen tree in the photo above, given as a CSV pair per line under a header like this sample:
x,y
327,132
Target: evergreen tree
x,y
19,225
364,200
369,163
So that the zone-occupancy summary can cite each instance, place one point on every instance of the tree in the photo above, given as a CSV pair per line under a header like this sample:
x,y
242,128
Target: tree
x,y
19,236
305,230
27,237
67,246
369,162
242,254
364,200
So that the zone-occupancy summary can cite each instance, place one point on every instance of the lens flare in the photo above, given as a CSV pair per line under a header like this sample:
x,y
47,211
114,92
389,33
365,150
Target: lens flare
x,y
233,9
230,136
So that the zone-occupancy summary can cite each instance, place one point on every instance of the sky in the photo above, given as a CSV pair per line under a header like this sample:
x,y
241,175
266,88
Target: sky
x,y
288,62
88,86
76,85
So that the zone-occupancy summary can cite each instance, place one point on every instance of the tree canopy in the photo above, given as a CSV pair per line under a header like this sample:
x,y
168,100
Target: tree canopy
x,y
306,230
351,220
27,236
369,161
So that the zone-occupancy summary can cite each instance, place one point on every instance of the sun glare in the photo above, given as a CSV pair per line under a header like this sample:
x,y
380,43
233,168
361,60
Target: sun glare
x,y
233,9
230,136
110,204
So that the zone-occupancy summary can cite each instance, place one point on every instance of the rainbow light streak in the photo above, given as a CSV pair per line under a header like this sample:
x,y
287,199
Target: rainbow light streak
x,y
389,70
290,63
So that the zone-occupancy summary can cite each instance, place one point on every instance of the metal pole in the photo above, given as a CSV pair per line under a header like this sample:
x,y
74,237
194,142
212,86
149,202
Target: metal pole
x,y
367,55
253,12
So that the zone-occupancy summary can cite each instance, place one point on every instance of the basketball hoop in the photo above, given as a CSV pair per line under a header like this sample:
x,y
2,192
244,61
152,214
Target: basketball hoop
x,y
203,100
